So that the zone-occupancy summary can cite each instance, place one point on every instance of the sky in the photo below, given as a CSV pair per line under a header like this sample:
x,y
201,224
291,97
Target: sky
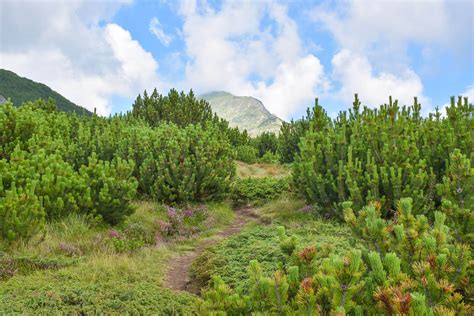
x,y
102,54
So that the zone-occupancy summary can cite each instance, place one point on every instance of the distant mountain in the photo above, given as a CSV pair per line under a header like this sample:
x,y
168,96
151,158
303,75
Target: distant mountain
x,y
20,90
243,112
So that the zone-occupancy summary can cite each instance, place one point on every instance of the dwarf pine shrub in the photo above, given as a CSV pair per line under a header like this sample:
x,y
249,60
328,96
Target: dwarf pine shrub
x,y
382,154
411,266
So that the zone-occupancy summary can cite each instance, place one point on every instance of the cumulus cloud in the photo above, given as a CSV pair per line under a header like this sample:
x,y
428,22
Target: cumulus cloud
x,y
375,37
157,30
384,29
294,85
74,52
356,75
230,49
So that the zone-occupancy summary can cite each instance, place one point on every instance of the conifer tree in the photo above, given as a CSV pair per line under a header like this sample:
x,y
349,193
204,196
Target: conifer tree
x,y
382,154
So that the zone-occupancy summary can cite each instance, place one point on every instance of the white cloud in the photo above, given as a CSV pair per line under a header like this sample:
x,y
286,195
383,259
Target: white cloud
x,y
229,49
293,86
157,30
374,39
74,52
356,75
137,65
384,29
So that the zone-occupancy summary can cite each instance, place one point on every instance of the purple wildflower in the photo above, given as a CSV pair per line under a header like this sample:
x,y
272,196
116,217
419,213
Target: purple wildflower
x,y
307,209
188,213
164,226
171,212
113,233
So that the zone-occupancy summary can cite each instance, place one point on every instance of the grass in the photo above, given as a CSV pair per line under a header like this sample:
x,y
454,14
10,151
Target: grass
x,y
260,170
108,284
74,268
82,273
231,257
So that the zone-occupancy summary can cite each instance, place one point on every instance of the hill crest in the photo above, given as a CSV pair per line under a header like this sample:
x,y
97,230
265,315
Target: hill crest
x,y
20,89
244,112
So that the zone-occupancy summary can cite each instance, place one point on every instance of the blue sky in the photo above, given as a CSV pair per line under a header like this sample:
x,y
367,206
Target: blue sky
x,y
102,54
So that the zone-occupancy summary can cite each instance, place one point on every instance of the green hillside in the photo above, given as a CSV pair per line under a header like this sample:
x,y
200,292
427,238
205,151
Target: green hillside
x,y
20,89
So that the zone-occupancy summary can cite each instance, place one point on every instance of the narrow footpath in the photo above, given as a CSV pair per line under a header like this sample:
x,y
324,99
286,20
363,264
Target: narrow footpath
x,y
177,276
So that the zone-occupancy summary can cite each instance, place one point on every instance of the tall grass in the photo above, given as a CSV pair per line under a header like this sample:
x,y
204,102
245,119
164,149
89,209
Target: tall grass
x,y
261,170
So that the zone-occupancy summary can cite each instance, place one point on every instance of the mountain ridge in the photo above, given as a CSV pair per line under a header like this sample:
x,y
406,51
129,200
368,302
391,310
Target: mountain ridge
x,y
20,89
244,112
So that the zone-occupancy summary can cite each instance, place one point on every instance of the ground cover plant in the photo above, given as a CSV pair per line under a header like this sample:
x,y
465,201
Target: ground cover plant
x,y
395,274
83,265
371,215
258,190
229,259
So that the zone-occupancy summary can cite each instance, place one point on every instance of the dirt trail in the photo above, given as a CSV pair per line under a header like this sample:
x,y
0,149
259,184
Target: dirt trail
x,y
177,276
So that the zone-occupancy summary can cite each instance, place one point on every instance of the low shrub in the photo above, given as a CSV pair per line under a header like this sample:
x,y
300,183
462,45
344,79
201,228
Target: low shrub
x,y
270,158
186,165
384,154
21,214
11,265
37,186
258,190
410,267
247,154
230,258
183,223
110,189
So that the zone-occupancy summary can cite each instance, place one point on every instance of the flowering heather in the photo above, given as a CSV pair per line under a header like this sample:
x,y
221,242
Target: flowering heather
x,y
69,249
306,209
113,233
188,213
172,212
182,222
164,226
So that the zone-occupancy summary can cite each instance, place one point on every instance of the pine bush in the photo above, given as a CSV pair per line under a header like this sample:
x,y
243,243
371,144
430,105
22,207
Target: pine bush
x,y
187,164
411,266
21,214
381,154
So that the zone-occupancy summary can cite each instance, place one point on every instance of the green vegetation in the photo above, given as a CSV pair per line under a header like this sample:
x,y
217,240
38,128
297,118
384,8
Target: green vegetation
x,y
77,267
185,164
229,260
179,108
372,215
265,142
258,190
104,285
400,274
247,154
21,90
54,163
260,170
291,134
381,155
